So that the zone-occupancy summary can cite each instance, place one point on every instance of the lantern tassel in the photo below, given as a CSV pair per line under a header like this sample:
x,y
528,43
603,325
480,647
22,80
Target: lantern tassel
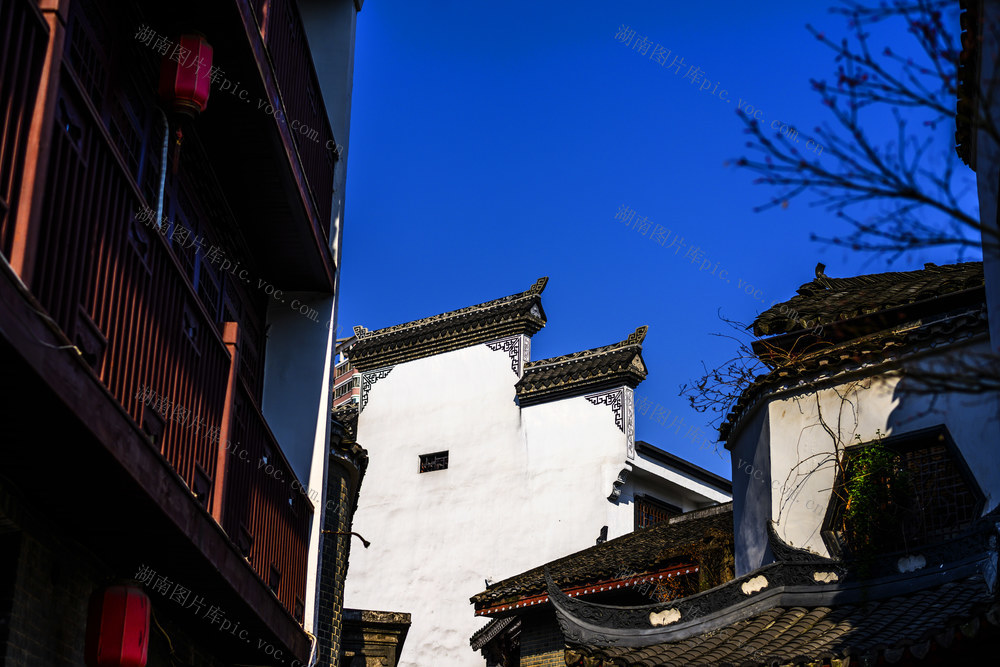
x,y
177,149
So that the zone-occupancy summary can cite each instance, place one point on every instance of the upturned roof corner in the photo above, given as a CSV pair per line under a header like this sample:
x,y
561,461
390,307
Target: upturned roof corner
x,y
586,371
519,313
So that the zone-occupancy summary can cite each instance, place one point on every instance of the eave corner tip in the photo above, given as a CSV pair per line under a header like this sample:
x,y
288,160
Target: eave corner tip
x,y
638,335
556,596
539,285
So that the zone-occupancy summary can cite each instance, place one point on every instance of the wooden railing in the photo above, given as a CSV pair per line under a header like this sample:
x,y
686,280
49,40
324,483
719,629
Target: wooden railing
x,y
116,289
138,308
264,515
23,38
285,37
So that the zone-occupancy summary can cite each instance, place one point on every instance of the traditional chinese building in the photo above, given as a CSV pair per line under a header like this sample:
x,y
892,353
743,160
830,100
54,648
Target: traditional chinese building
x,y
484,460
858,417
373,637
346,379
171,209
679,556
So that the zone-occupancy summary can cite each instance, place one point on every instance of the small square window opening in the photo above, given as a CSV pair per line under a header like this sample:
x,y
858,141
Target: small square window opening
x,y
432,462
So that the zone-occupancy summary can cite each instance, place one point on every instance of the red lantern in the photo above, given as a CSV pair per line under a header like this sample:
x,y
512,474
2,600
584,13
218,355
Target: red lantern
x,y
184,75
118,628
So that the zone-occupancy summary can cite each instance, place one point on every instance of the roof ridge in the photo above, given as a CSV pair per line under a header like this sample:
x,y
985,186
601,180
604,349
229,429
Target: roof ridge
x,y
599,369
826,300
867,279
906,338
537,288
702,512
634,339
519,314
659,539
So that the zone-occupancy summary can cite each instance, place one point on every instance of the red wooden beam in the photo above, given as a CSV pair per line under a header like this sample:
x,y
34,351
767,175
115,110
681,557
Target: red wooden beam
x,y
230,335
590,589
31,196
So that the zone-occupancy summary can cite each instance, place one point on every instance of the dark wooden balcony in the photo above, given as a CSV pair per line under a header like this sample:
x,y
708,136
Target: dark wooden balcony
x,y
153,317
283,175
23,38
284,34
271,158
269,520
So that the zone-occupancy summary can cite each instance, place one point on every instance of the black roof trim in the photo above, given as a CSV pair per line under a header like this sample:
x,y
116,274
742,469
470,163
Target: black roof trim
x,y
686,467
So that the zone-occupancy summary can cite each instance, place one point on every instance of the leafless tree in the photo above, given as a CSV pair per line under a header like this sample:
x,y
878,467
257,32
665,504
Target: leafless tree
x,y
913,192
718,390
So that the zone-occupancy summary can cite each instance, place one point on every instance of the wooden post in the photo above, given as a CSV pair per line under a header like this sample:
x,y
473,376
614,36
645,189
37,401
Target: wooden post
x,y
229,337
29,211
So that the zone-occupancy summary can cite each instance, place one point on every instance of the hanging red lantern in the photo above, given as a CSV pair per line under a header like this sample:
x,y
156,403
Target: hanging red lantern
x,y
184,75
118,628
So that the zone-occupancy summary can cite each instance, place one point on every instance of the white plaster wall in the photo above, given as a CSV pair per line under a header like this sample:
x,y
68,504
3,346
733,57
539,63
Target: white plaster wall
x,y
800,451
435,537
649,477
987,162
522,487
575,452
621,514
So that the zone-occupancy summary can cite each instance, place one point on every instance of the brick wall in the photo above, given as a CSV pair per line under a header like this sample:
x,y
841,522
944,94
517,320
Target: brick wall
x,y
45,610
345,470
542,643
334,552
46,582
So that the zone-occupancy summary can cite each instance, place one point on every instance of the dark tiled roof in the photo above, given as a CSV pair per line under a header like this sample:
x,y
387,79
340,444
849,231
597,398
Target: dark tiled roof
x,y
347,416
894,627
923,322
488,632
515,314
872,350
347,450
805,609
826,300
580,372
642,551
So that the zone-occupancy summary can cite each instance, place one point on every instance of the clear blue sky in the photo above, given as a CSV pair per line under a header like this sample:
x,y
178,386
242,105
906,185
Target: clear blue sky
x,y
493,143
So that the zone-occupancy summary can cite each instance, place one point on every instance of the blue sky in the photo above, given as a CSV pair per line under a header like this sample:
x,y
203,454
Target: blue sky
x,y
493,143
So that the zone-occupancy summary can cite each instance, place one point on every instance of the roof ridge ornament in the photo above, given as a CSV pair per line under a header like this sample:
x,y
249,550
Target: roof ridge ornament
x,y
361,332
821,277
539,286
637,336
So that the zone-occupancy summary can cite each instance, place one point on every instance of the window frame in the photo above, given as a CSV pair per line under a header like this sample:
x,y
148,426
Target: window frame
x,y
902,444
656,503
423,459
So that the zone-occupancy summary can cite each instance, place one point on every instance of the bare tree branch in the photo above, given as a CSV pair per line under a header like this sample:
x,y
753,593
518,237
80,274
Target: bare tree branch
x,y
912,193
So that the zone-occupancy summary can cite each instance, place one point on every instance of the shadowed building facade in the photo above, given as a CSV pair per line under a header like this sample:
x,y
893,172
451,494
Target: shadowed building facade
x,y
168,284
